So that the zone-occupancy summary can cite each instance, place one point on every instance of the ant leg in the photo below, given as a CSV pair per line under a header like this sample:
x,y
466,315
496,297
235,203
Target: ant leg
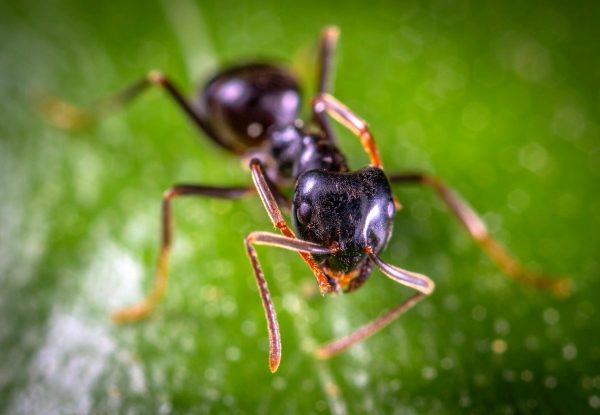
x,y
327,103
337,346
293,244
419,282
147,305
327,45
270,204
477,229
72,118
69,117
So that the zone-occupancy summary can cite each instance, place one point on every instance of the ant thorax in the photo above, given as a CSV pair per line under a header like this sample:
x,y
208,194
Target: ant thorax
x,y
297,151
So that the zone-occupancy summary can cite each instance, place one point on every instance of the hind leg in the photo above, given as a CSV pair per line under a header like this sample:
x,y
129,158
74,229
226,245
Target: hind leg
x,y
70,117
327,46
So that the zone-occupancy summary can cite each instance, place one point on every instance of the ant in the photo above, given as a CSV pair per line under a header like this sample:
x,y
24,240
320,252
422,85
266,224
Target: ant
x,y
342,219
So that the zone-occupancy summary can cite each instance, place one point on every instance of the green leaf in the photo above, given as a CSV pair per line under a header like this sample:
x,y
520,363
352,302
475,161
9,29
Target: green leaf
x,y
501,101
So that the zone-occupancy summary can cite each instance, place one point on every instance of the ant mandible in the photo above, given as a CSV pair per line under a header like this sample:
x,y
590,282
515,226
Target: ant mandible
x,y
342,219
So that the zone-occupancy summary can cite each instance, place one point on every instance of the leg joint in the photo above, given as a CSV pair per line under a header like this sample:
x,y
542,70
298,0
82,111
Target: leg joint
x,y
170,193
156,77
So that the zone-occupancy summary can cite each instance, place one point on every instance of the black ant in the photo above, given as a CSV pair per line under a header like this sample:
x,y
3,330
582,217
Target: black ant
x,y
342,219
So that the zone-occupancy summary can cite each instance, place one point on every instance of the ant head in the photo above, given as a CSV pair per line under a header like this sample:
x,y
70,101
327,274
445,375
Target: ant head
x,y
242,103
349,210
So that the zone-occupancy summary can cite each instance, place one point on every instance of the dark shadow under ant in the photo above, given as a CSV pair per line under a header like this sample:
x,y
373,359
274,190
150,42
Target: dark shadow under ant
x,y
342,219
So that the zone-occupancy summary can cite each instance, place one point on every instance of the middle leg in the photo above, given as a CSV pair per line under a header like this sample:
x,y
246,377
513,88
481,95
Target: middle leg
x,y
478,230
146,306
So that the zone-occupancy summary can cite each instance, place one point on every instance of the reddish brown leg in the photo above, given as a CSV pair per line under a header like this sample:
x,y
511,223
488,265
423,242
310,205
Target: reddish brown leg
x,y
285,242
342,114
477,229
279,222
70,117
419,282
337,346
147,305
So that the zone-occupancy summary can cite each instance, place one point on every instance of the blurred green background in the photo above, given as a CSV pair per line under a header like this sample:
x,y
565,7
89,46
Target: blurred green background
x,y
501,99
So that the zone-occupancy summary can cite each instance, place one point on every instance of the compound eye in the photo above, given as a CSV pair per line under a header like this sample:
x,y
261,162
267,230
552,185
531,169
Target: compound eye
x,y
304,213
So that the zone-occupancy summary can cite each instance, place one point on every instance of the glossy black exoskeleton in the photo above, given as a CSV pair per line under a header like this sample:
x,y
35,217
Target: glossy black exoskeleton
x,y
242,105
296,151
351,210
343,219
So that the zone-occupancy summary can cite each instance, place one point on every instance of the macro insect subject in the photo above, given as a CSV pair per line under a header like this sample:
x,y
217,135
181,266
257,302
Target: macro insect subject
x,y
342,219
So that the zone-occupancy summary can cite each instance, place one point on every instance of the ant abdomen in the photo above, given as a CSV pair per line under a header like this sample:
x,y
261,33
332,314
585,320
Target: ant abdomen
x,y
243,103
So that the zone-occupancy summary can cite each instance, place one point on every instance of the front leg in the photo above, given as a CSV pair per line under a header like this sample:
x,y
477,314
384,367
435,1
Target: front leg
x,y
421,283
270,203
